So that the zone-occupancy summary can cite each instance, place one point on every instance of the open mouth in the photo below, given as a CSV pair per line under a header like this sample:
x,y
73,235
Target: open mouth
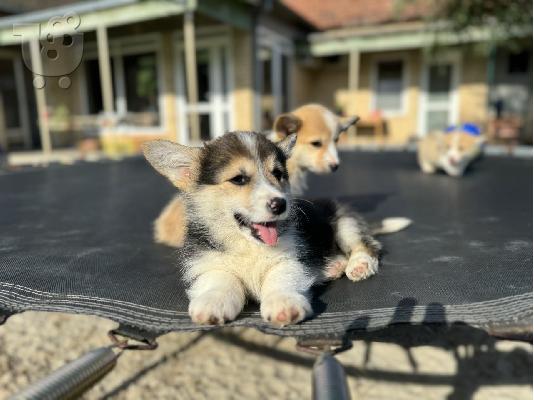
x,y
265,232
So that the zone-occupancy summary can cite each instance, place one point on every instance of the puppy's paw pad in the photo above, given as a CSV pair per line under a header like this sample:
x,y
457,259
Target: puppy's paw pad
x,y
335,268
213,309
361,266
282,310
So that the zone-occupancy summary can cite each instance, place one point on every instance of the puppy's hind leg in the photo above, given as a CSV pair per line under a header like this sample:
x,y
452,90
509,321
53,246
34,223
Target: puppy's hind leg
x,y
355,241
335,267
170,226
215,297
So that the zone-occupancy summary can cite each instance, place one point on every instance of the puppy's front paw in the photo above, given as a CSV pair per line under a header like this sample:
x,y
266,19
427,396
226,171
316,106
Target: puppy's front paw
x,y
361,266
284,309
214,308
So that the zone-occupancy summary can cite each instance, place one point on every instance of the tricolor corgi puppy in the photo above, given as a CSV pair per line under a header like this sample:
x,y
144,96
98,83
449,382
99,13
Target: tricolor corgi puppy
x,y
318,132
247,238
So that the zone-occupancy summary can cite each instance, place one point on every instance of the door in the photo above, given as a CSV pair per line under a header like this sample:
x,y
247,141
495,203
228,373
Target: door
x,y
439,105
213,77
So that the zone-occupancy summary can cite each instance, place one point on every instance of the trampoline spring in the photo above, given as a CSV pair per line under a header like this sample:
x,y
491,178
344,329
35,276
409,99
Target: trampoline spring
x,y
329,379
72,379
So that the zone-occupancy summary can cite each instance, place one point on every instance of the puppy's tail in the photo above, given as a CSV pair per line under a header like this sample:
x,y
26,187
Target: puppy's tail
x,y
390,225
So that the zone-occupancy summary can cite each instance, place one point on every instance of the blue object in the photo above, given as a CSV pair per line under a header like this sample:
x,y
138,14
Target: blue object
x,y
470,129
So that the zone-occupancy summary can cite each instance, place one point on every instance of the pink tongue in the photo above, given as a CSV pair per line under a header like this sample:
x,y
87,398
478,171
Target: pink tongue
x,y
268,233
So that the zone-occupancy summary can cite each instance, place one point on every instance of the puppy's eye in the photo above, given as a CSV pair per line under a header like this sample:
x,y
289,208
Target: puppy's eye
x,y
316,143
278,174
240,180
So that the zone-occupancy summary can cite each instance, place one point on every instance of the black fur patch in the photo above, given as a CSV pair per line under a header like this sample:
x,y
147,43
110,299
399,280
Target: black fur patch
x,y
218,153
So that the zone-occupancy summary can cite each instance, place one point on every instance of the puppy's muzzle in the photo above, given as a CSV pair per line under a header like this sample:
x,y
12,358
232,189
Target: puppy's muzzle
x,y
333,167
277,205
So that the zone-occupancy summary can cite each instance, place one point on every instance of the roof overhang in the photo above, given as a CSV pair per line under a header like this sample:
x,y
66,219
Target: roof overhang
x,y
92,14
400,36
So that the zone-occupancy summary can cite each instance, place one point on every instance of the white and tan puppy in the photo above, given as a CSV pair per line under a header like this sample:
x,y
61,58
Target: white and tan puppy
x,y
247,238
318,131
451,152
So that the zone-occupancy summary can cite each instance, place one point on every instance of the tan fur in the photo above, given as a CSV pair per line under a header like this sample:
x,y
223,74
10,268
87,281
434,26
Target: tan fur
x,y
169,228
438,149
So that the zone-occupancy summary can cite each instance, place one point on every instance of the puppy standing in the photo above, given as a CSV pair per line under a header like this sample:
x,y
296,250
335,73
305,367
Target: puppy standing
x,y
318,132
247,238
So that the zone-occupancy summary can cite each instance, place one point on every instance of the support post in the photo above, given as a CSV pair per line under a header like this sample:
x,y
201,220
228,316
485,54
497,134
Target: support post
x,y
354,73
104,64
191,74
40,96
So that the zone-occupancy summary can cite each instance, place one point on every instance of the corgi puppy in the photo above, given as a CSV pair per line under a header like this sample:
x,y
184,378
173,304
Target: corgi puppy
x,y
318,132
247,238
451,151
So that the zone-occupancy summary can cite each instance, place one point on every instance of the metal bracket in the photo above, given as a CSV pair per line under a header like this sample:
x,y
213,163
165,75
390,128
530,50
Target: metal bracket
x,y
321,345
121,341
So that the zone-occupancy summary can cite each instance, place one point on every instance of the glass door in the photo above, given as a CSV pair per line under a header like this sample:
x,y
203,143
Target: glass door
x,y
439,97
213,106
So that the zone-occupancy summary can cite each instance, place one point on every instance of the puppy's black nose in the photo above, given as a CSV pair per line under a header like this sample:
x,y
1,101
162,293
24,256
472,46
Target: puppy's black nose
x,y
277,205
334,167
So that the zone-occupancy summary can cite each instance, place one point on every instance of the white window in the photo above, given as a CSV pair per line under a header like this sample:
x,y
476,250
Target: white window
x,y
389,86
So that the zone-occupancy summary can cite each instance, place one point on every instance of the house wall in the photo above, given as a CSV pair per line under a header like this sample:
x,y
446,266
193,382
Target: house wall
x,y
473,90
243,96
325,81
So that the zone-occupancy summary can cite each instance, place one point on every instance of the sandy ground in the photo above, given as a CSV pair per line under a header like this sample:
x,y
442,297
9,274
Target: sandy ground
x,y
245,364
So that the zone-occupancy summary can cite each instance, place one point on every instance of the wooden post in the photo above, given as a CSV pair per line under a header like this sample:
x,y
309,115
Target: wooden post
x,y
106,84
24,116
354,73
3,128
40,96
191,74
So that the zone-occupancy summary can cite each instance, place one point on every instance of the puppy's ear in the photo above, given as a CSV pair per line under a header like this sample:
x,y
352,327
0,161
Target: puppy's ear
x,y
343,126
286,124
288,144
172,160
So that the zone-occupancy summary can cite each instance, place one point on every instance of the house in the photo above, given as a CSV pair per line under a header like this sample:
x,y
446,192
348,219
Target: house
x,y
125,71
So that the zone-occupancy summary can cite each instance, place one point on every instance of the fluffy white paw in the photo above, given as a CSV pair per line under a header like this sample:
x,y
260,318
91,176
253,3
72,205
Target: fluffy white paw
x,y
284,309
361,266
214,308
335,267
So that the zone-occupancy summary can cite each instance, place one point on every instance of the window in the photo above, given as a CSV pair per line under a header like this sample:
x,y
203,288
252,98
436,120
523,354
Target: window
x,y
389,86
518,62
135,88
141,84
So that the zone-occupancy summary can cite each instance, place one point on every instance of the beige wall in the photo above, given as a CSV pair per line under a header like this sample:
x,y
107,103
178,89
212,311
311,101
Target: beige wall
x,y
326,82
243,95
473,90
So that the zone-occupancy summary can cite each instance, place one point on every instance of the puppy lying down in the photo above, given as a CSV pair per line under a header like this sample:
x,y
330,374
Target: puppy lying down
x,y
247,238
318,130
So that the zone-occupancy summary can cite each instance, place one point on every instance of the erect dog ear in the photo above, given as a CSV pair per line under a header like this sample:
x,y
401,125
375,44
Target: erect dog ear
x,y
288,144
176,162
286,124
346,124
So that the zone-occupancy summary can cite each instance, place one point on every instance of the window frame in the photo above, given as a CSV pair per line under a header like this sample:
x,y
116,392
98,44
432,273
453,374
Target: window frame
x,y
376,61
119,47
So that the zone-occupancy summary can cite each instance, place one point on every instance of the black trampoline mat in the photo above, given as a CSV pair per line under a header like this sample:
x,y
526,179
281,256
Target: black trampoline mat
x,y
78,239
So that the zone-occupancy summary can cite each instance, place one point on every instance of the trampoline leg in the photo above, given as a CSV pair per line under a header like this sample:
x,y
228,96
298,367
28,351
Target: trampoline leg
x,y
329,380
74,378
